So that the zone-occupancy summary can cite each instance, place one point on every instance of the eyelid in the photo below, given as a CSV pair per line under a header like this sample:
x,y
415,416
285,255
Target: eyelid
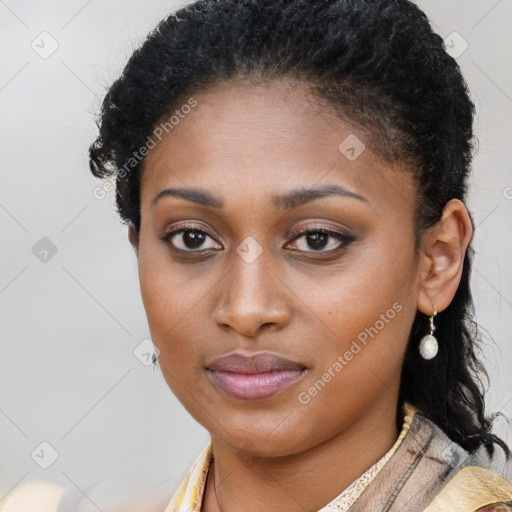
x,y
297,232
343,240
180,228
186,226
321,226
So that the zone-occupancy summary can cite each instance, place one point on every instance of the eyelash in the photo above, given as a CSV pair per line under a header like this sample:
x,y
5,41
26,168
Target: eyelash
x,y
344,239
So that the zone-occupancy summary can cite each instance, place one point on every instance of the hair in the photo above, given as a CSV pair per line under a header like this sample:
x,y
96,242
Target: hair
x,y
381,67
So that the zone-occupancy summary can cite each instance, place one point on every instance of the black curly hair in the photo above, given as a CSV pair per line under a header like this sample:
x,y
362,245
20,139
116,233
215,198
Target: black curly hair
x,y
381,67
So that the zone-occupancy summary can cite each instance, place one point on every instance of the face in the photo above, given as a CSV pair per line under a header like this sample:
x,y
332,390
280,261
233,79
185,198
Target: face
x,y
233,269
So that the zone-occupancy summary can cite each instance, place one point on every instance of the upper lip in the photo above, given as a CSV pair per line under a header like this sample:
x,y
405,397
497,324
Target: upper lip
x,y
262,362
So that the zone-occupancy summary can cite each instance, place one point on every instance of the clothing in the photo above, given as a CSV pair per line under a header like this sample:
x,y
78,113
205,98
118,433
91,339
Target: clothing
x,y
424,471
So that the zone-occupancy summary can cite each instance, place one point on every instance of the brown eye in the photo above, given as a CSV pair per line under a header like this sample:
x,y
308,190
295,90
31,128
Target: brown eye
x,y
190,239
321,240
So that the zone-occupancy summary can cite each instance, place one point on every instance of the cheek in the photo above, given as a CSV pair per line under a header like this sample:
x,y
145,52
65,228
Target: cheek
x,y
176,300
358,361
364,315
168,302
171,308
361,294
166,289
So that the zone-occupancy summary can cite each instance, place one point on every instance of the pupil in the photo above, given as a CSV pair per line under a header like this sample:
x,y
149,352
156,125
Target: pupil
x,y
318,240
193,239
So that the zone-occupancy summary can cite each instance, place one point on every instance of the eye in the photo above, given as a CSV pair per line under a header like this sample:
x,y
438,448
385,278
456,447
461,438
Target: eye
x,y
321,239
189,238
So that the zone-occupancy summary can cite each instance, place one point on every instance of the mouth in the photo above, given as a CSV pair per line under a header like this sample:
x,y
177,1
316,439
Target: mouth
x,y
254,377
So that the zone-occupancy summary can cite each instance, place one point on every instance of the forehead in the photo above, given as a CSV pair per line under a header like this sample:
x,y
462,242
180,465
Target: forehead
x,y
257,141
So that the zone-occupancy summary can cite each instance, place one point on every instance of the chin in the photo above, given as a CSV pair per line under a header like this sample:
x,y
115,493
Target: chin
x,y
266,440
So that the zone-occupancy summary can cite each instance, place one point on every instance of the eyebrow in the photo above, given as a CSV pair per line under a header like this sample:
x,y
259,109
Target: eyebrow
x,y
286,201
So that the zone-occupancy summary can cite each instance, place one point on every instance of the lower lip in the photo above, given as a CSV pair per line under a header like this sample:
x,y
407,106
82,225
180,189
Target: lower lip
x,y
254,386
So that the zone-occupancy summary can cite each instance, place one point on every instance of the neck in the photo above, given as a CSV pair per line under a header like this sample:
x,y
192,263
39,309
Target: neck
x,y
257,484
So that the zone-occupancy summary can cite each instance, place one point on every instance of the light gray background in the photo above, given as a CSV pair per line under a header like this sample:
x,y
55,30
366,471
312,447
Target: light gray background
x,y
69,326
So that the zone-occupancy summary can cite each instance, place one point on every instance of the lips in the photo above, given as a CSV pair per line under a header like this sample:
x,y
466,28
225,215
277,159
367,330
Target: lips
x,y
254,376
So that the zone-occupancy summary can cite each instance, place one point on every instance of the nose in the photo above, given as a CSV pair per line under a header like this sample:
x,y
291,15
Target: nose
x,y
253,297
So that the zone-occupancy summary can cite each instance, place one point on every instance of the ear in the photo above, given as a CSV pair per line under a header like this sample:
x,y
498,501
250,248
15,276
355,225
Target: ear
x,y
443,252
133,236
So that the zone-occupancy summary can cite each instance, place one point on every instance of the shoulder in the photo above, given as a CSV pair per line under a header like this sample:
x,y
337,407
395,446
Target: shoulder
x,y
466,482
474,489
504,507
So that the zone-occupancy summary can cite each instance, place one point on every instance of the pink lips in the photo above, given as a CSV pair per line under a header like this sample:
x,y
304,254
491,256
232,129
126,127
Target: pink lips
x,y
254,377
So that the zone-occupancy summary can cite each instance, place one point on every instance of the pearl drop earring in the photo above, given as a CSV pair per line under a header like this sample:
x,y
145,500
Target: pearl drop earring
x,y
428,344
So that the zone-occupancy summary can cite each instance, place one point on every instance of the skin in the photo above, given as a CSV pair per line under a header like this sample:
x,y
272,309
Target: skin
x,y
245,143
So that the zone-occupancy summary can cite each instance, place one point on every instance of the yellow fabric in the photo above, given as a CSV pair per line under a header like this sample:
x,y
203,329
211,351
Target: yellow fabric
x,y
189,495
471,489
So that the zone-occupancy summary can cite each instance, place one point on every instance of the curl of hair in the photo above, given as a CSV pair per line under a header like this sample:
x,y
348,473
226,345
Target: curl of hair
x,y
380,66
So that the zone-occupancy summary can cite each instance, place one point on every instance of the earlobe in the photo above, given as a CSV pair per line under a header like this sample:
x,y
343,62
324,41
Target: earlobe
x,y
133,236
444,250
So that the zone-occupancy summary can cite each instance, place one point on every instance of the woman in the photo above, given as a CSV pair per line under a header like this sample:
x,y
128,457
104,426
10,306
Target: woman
x,y
293,175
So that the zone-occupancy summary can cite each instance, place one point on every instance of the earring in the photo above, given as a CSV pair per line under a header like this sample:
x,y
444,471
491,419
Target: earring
x,y
155,364
428,344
